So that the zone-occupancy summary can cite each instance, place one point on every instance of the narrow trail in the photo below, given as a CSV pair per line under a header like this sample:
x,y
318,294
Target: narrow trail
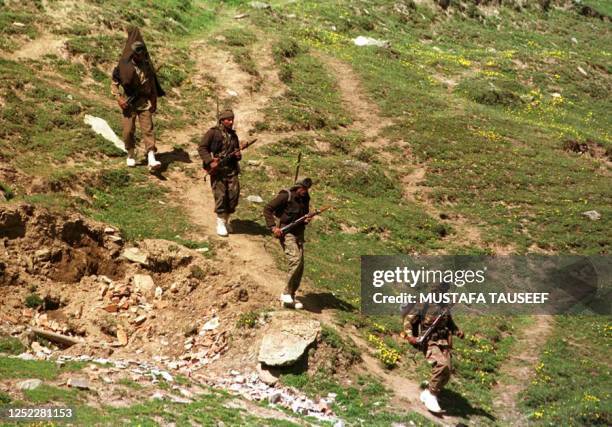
x,y
369,120
518,370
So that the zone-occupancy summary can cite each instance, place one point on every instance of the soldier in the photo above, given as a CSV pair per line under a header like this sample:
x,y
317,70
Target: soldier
x,y
437,347
218,142
135,86
288,206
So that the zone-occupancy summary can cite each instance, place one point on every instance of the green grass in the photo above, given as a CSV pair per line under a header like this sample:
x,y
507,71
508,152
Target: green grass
x,y
364,403
47,394
572,390
130,201
44,370
11,345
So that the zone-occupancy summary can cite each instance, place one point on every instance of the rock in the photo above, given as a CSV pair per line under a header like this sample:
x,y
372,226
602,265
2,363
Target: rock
x,y
135,255
105,279
202,251
101,127
242,295
26,356
178,399
241,16
144,283
36,347
287,340
122,337
19,24
259,5
158,292
211,324
267,375
255,199
42,255
166,376
369,41
115,239
80,383
356,164
164,256
140,319
581,70
275,397
111,308
158,395
574,40
592,215
254,163
339,423
29,384
109,230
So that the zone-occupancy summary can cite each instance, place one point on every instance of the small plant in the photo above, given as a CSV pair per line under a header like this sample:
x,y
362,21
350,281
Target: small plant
x,y
33,301
11,345
248,320
8,191
197,272
387,355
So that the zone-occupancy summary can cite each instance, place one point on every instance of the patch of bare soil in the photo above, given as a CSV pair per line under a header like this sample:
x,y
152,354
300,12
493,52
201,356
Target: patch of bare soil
x,y
518,371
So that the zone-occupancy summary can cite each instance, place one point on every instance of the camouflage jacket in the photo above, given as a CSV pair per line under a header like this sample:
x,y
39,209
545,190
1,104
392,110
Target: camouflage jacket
x,y
420,317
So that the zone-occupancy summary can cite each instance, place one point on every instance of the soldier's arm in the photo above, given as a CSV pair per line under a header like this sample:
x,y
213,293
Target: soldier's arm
x,y
268,212
238,154
453,328
204,148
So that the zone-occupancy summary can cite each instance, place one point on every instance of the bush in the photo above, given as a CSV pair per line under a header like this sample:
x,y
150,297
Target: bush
x,y
11,345
287,48
33,301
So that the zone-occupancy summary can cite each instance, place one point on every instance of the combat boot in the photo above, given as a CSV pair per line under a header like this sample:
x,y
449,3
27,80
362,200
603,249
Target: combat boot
x,y
430,401
221,230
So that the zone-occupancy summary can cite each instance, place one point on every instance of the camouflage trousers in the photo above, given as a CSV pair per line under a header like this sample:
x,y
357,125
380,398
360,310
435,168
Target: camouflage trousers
x,y
293,246
439,357
226,191
145,118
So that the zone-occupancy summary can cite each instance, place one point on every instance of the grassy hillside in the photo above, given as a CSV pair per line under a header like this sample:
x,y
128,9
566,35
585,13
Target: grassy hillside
x,y
494,137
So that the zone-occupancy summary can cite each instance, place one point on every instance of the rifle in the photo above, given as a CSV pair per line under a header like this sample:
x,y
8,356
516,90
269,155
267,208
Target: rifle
x,y
423,337
223,160
301,219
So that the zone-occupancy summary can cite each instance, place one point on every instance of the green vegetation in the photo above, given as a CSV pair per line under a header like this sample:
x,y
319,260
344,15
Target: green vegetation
x,y
248,320
364,403
128,200
47,394
33,301
572,388
44,370
11,345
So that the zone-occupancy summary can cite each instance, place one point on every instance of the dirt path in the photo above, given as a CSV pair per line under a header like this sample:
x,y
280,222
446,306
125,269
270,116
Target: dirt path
x,y
518,370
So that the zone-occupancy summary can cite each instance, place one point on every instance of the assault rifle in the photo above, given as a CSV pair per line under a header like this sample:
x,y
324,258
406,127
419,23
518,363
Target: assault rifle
x,y
222,161
423,337
302,219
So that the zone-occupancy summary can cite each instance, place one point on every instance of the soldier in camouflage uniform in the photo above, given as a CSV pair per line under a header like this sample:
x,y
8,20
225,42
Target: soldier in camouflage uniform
x,y
220,141
437,348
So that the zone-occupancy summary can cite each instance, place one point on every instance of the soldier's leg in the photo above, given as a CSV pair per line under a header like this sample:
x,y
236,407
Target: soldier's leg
x,y
145,119
439,358
294,251
219,193
233,194
128,123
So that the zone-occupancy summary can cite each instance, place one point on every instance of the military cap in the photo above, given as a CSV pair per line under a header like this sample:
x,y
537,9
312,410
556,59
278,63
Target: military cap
x,y
226,114
305,182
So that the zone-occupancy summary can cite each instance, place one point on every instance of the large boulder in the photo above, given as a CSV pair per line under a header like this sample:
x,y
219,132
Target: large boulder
x,y
286,340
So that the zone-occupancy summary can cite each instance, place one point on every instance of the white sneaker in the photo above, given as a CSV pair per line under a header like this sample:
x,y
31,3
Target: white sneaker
x,y
228,226
298,305
430,401
153,162
221,230
131,161
286,299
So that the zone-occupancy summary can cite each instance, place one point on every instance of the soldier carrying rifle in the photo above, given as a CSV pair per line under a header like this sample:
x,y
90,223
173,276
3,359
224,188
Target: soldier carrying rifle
x,y
430,328
135,86
220,154
292,208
